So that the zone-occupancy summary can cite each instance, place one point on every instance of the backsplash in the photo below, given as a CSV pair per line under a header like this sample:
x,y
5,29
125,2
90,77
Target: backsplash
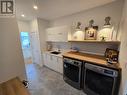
x,y
94,48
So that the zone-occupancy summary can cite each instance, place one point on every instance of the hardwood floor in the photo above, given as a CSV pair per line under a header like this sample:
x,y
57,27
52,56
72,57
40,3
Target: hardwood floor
x,y
13,87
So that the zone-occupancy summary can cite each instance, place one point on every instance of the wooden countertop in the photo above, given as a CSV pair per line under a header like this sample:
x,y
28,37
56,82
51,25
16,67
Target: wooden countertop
x,y
13,87
94,59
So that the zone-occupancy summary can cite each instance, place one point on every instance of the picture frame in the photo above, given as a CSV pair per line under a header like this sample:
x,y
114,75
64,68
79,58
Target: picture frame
x,y
112,54
91,33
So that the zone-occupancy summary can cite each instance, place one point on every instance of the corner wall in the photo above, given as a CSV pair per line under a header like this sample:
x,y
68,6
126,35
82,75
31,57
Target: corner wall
x,y
24,26
123,50
42,25
11,59
98,14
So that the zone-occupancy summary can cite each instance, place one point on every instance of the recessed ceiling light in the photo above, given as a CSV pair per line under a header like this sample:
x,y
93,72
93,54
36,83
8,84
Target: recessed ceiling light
x,y
23,15
35,7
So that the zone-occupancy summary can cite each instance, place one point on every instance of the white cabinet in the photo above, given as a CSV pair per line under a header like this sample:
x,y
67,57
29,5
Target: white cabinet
x,y
60,65
50,34
58,34
53,62
47,59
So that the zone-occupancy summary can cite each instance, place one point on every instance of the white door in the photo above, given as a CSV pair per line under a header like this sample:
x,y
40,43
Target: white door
x,y
36,51
26,47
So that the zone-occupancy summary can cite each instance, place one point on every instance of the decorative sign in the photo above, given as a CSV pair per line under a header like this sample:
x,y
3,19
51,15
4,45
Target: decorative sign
x,y
111,55
7,8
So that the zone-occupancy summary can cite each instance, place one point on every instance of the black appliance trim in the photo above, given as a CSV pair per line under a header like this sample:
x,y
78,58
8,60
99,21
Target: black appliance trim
x,y
69,81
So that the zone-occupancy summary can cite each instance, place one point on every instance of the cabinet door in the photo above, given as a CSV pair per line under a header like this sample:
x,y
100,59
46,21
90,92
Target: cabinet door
x,y
58,34
63,33
48,60
50,35
54,63
57,63
44,58
60,65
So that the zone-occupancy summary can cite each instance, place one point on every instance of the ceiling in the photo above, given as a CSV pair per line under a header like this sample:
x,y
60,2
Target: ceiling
x,y
52,9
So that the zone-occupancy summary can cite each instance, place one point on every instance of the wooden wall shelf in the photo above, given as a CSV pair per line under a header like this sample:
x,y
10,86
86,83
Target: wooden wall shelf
x,y
96,41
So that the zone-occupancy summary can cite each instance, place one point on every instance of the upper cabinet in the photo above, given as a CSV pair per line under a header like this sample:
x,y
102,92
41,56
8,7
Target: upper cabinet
x,y
58,34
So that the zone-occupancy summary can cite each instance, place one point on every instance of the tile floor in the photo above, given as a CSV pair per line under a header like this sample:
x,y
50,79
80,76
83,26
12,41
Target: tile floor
x,y
43,81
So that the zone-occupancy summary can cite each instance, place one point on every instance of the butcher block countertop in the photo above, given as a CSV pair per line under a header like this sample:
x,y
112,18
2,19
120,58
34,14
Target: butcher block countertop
x,y
13,87
94,59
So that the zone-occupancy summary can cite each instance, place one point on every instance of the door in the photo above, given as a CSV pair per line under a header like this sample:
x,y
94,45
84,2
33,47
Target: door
x,y
72,72
98,84
35,43
26,47
99,80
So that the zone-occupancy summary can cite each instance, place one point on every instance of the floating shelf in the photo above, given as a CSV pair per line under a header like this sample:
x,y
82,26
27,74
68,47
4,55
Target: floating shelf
x,y
96,41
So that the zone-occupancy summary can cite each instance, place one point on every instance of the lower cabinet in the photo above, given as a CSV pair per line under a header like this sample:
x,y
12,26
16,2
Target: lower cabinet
x,y
60,66
53,62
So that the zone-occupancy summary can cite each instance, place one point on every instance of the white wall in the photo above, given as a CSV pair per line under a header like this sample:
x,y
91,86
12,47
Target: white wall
x,y
98,14
42,25
123,49
114,10
35,42
34,25
11,59
24,26
93,48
